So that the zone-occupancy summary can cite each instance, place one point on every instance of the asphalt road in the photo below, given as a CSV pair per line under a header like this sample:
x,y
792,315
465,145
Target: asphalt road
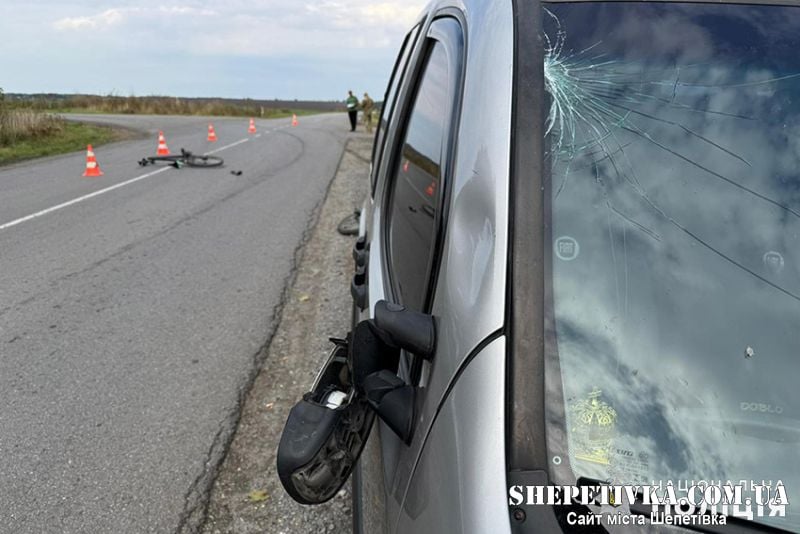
x,y
132,321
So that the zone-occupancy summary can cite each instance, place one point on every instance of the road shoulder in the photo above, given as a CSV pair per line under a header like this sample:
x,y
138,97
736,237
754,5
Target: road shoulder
x,y
247,495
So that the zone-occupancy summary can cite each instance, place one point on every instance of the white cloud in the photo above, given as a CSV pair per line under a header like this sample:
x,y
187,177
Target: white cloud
x,y
113,17
358,14
323,29
185,10
391,14
107,18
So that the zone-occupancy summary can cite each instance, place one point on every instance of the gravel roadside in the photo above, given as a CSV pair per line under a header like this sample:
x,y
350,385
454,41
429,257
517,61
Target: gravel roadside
x,y
247,496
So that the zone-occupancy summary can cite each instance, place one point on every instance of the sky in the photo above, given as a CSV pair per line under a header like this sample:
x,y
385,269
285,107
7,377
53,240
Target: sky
x,y
314,49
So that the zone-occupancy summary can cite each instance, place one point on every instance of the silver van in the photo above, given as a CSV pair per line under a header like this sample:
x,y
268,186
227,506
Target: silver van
x,y
579,264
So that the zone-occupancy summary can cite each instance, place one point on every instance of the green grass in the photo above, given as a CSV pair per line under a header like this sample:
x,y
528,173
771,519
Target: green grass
x,y
72,137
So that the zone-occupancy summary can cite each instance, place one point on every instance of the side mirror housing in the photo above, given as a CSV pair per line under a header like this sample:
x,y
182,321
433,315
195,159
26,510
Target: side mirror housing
x,y
324,433
393,401
406,329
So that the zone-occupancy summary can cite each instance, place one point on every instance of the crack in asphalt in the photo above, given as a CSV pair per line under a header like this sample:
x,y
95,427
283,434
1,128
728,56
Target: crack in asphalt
x,y
195,511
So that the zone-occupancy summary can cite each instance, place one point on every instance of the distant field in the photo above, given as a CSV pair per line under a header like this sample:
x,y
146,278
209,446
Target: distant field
x,y
162,105
206,111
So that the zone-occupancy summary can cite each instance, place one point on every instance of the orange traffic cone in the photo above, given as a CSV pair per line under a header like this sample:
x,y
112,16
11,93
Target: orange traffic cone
x,y
162,145
294,120
92,168
212,135
252,128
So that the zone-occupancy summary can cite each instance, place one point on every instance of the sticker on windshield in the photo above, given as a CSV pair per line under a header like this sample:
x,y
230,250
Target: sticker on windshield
x,y
593,428
567,248
629,466
773,261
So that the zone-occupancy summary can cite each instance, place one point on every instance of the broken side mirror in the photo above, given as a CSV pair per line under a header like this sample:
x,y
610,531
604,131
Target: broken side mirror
x,y
407,329
324,433
393,401
388,394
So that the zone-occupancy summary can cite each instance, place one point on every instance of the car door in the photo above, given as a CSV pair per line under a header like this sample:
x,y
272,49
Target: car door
x,y
410,210
463,282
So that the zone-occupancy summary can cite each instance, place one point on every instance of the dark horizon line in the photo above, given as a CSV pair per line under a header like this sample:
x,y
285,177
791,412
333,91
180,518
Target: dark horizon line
x,y
224,98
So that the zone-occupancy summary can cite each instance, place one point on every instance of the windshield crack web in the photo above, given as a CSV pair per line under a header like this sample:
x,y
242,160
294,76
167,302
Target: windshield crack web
x,y
595,101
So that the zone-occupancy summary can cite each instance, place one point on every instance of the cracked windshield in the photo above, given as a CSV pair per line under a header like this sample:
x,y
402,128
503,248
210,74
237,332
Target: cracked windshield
x,y
673,147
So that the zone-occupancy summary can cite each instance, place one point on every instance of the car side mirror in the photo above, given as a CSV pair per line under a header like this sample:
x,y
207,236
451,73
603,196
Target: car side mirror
x,y
388,394
393,401
324,433
406,329
327,429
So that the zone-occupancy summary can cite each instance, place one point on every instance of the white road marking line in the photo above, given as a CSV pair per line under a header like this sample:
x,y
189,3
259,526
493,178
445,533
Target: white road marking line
x,y
220,149
80,199
100,192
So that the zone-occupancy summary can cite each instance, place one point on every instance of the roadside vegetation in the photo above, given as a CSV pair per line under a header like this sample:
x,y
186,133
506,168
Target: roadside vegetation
x,y
160,105
30,133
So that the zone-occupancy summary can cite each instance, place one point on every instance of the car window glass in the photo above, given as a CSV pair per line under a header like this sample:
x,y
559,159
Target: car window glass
x,y
391,95
415,182
674,221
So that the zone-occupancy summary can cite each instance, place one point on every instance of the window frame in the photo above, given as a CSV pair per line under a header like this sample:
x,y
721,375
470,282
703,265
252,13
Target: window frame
x,y
453,38
398,73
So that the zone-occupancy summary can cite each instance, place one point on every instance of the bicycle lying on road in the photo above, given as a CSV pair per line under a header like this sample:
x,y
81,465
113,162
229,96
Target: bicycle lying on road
x,y
184,158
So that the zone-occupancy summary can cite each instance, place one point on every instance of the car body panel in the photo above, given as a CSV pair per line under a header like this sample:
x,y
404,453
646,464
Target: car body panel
x,y
451,491
469,299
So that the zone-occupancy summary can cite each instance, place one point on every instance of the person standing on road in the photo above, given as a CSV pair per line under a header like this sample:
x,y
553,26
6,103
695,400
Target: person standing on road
x,y
352,109
367,105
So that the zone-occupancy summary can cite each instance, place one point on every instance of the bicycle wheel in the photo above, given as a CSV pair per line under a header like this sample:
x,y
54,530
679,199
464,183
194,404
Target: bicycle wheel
x,y
203,161
152,160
